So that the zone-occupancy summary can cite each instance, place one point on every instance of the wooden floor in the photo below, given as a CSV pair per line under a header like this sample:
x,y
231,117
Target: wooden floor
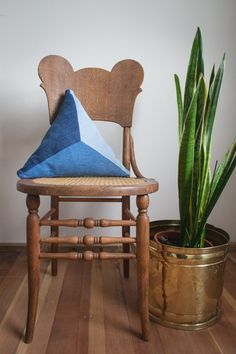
x,y
90,308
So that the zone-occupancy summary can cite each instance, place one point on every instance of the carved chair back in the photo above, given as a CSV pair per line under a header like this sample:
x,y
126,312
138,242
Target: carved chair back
x,y
105,95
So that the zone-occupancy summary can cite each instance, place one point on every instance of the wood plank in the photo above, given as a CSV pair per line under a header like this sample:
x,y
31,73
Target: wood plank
x,y
229,312
223,334
230,288
154,346
7,261
230,299
11,283
6,265
230,279
185,342
232,257
48,298
230,269
96,343
116,320
63,337
84,313
12,325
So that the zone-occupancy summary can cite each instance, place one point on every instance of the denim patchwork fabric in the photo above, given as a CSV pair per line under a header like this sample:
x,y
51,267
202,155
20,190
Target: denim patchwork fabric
x,y
73,146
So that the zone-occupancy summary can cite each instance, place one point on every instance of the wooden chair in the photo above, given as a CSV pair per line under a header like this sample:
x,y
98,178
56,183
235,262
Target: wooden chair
x,y
107,96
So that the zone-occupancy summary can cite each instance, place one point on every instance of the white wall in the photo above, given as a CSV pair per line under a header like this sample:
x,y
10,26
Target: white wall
x,y
99,33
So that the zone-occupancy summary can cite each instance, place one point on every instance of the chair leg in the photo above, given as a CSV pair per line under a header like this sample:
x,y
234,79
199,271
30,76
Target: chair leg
x,y
142,242
125,233
54,233
33,251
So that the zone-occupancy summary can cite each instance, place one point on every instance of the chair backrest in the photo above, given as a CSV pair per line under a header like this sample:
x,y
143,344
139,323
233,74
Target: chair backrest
x,y
105,95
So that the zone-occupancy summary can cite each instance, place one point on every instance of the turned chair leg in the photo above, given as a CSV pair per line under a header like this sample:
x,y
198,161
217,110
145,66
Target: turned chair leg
x,y
54,233
125,233
142,242
33,252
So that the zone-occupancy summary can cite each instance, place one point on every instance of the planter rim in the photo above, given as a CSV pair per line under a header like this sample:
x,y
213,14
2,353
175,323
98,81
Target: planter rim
x,y
175,224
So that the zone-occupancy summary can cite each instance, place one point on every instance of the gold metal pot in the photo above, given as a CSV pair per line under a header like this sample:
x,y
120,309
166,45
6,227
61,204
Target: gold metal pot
x,y
186,284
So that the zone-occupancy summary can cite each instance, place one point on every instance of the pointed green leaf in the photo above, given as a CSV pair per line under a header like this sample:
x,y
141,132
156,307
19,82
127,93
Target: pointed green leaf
x,y
186,160
200,64
207,139
212,108
222,171
212,76
201,105
211,82
180,106
222,175
190,83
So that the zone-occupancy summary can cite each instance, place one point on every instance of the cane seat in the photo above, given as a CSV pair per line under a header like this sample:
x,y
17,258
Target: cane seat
x,y
84,186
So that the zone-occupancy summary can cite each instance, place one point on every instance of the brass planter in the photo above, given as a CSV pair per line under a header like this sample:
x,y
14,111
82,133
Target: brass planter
x,y
186,284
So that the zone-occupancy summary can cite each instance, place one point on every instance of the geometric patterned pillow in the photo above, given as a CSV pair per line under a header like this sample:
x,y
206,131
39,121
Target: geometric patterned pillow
x,y
73,146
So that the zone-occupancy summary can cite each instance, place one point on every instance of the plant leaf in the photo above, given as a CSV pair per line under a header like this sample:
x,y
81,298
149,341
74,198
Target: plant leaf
x,y
222,174
212,107
207,139
180,106
200,63
219,181
186,161
190,83
201,106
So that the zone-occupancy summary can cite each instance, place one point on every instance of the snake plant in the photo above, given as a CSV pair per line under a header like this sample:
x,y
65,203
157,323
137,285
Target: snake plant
x,y
199,189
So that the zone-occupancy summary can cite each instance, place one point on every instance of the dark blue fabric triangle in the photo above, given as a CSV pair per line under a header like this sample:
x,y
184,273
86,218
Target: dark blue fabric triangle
x,y
63,132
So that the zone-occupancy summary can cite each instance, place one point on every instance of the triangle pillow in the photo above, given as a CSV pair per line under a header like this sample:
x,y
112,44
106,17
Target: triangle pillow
x,y
72,147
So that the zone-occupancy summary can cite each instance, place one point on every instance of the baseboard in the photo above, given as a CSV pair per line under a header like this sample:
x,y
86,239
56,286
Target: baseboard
x,y
232,246
12,244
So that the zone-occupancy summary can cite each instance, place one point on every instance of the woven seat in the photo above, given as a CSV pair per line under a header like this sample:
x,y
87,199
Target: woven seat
x,y
108,96
83,186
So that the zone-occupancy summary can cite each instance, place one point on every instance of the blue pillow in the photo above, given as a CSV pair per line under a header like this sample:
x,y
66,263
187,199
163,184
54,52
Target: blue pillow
x,y
72,147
